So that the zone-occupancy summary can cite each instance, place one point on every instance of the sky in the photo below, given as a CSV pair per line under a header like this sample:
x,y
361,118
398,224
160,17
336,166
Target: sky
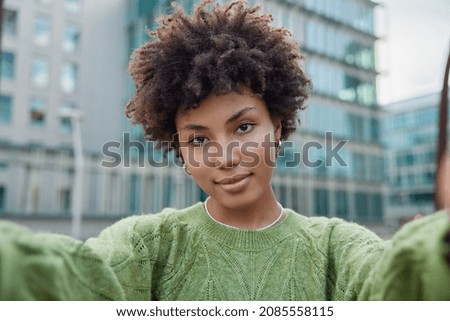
x,y
414,47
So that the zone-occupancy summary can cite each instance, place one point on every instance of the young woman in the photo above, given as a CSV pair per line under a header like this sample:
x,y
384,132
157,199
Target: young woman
x,y
221,88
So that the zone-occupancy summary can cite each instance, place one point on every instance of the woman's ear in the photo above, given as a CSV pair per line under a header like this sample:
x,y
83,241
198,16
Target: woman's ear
x,y
277,129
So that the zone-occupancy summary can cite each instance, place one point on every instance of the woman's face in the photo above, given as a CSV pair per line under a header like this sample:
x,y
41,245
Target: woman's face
x,y
227,143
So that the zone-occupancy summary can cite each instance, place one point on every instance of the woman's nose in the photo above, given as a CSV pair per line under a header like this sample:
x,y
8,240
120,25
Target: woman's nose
x,y
223,154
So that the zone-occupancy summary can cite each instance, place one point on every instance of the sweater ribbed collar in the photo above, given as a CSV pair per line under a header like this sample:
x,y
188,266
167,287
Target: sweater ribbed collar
x,y
241,238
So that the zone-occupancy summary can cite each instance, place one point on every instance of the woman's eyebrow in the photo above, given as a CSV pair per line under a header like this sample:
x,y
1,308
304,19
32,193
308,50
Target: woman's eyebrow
x,y
194,127
238,114
231,119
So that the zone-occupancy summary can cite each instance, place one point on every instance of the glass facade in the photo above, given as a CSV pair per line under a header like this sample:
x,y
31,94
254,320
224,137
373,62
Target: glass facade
x,y
331,80
338,44
410,142
320,118
354,13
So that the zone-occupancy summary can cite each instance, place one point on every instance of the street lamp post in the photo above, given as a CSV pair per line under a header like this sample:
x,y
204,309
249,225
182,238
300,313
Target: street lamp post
x,y
75,117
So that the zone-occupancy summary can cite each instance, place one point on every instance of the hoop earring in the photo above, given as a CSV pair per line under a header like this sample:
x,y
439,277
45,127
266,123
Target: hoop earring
x,y
278,147
186,170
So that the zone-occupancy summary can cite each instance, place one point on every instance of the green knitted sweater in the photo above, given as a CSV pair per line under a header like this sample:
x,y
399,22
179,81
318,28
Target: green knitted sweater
x,y
184,255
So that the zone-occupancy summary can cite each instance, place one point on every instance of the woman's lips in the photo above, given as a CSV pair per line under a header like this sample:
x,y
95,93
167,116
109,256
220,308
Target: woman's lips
x,y
234,184
233,179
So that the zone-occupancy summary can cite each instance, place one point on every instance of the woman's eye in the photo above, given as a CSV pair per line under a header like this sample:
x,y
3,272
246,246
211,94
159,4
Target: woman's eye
x,y
197,141
245,128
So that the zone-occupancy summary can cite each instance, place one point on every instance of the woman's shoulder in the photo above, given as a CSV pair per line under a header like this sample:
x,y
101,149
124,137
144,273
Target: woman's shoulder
x,y
163,222
139,235
331,228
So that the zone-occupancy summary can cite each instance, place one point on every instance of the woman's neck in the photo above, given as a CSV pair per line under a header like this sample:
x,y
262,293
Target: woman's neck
x,y
261,214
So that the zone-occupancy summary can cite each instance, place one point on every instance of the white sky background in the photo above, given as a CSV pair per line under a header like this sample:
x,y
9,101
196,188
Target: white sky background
x,y
416,43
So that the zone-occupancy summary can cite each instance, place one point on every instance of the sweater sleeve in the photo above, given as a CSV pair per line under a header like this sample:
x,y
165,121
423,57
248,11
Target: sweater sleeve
x,y
125,262
413,266
353,251
37,266
410,266
131,248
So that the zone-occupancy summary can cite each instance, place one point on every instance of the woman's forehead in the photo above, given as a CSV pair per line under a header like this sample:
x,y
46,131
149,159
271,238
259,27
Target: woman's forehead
x,y
222,108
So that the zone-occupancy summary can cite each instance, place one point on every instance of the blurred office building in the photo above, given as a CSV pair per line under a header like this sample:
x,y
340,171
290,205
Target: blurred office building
x,y
410,136
58,56
73,54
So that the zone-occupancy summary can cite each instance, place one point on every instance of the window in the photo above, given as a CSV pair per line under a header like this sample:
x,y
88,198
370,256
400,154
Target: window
x,y
40,71
427,116
131,38
9,26
5,109
66,122
341,204
359,166
362,205
42,30
7,65
410,159
296,195
311,35
377,207
71,38
2,197
282,192
134,193
429,178
65,200
37,112
66,125
332,81
168,186
356,123
35,197
321,202
375,130
421,197
73,5
375,168
69,77
364,19
44,2
310,5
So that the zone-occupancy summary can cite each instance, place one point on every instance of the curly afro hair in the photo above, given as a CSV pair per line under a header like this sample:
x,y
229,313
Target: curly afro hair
x,y
219,49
